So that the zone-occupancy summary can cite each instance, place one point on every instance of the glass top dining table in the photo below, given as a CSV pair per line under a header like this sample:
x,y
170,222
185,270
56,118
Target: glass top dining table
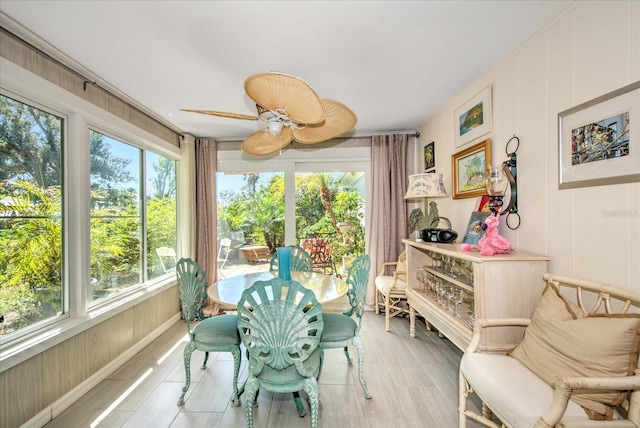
x,y
326,287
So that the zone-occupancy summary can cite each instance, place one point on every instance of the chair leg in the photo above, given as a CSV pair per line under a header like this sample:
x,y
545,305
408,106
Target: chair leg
x,y
188,349
346,353
311,388
377,303
204,363
387,310
236,369
321,362
357,341
251,390
299,407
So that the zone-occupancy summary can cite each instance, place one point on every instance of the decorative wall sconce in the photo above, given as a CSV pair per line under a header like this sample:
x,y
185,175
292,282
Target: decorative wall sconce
x,y
497,181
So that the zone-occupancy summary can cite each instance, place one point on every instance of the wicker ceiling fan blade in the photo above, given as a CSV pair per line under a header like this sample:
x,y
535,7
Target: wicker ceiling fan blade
x,y
222,114
339,120
282,92
262,143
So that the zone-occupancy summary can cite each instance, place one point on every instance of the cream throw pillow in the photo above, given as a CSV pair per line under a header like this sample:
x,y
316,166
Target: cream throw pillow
x,y
401,267
563,341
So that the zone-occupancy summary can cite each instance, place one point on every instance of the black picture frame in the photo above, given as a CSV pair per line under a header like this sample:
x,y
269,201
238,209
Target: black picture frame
x,y
474,228
430,156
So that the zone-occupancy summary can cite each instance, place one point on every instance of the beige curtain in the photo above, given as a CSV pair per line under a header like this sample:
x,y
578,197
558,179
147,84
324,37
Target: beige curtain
x,y
389,210
206,230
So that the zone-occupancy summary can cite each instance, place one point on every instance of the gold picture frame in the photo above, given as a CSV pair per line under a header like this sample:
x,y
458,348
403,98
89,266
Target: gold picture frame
x,y
469,169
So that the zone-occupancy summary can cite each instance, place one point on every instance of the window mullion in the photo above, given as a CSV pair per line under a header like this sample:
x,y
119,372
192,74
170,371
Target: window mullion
x,y
77,248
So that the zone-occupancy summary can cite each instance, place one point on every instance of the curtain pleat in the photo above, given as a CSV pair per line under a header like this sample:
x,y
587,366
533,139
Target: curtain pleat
x,y
206,230
389,210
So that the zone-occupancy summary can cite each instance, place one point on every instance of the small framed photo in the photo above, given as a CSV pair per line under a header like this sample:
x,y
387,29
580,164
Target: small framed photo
x,y
473,119
469,169
430,156
474,228
599,141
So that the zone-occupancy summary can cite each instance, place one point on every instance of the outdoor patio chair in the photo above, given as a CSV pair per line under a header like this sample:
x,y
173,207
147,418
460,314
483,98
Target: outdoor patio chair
x,y
223,252
167,253
319,250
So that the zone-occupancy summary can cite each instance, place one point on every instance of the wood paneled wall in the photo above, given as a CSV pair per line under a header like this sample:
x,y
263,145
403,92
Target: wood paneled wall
x,y
28,388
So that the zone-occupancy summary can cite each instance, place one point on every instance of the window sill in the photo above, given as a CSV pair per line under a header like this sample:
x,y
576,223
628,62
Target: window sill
x,y
29,346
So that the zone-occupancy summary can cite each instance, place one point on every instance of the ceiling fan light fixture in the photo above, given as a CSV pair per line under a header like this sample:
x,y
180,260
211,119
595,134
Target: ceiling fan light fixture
x,y
290,110
275,127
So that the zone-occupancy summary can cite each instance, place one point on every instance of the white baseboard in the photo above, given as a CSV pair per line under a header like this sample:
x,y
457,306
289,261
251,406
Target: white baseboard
x,y
60,405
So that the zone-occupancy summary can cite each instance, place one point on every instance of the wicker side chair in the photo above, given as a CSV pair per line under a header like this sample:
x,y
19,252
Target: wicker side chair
x,y
341,330
280,324
390,290
214,334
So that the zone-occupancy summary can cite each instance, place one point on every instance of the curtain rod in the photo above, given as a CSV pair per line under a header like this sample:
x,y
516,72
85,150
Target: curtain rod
x,y
410,133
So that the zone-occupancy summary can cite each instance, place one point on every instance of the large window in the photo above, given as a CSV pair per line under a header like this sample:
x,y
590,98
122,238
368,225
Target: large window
x,y
31,235
66,251
117,244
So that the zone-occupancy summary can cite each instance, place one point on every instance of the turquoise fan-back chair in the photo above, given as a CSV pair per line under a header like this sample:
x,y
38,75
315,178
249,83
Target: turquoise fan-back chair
x,y
341,330
214,334
280,324
300,260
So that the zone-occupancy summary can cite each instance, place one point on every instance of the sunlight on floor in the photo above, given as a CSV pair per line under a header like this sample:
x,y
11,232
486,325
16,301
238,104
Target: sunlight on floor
x,y
121,398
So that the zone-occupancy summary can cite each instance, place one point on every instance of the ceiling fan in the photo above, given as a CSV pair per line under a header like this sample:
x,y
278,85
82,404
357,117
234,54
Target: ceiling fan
x,y
290,110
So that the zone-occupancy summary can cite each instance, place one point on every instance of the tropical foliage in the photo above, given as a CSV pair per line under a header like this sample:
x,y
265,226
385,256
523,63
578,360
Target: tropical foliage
x,y
257,209
32,214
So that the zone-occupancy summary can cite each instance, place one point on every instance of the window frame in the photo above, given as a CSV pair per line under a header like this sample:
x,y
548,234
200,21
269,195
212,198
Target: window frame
x,y
80,116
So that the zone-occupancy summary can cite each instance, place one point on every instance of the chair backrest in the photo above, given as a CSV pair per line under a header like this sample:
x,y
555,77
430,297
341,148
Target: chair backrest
x,y
300,260
166,252
357,279
319,250
280,324
192,287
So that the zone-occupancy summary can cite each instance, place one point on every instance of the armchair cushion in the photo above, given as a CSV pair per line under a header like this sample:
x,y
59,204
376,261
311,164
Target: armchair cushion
x,y
513,391
564,341
401,266
384,283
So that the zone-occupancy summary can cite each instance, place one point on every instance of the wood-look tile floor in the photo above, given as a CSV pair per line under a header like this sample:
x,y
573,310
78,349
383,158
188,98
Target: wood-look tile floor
x,y
413,381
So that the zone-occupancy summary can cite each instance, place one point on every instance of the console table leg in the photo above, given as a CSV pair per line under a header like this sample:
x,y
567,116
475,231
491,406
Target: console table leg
x,y
412,322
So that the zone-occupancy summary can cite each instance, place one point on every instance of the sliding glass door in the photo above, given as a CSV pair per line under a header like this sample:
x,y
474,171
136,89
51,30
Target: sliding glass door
x,y
319,205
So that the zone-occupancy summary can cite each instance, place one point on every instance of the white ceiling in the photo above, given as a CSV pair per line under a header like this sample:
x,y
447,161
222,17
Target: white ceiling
x,y
394,63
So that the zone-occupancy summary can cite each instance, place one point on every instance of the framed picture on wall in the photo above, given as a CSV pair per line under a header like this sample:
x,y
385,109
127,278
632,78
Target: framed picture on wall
x,y
430,156
473,119
600,140
469,169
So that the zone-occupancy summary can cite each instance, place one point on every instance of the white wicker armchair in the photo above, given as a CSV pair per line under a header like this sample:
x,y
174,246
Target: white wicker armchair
x,y
517,396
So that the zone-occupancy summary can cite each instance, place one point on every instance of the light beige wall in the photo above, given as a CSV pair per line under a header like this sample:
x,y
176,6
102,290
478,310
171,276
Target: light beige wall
x,y
589,50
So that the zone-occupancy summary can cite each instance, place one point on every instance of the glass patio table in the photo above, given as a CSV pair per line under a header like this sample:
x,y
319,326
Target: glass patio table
x,y
326,287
